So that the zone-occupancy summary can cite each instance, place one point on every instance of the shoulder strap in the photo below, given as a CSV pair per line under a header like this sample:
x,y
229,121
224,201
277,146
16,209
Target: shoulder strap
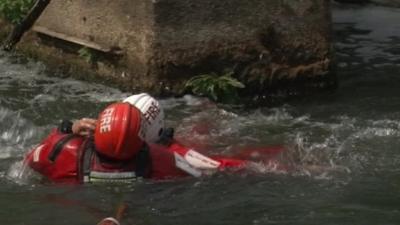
x,y
143,162
58,147
84,160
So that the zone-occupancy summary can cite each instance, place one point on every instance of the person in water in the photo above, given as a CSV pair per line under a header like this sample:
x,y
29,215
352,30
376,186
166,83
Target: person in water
x,y
127,141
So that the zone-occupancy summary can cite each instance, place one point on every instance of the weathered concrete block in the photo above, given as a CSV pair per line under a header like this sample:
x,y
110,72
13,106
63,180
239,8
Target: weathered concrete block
x,y
165,42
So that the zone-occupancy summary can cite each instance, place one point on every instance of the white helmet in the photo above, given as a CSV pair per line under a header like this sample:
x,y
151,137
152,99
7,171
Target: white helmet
x,y
152,112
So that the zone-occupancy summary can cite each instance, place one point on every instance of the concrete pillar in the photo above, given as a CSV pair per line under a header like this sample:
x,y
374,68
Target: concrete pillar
x,y
165,42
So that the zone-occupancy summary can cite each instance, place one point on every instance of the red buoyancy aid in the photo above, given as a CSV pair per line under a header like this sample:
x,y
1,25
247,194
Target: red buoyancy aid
x,y
66,158
69,158
56,157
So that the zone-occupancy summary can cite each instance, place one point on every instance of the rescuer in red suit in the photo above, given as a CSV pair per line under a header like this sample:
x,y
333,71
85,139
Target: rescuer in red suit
x,y
127,141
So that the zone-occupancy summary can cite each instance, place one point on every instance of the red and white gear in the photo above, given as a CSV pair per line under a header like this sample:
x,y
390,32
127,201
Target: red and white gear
x,y
119,132
67,158
153,114
119,154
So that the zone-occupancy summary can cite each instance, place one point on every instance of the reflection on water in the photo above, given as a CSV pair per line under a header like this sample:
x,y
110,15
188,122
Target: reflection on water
x,y
341,147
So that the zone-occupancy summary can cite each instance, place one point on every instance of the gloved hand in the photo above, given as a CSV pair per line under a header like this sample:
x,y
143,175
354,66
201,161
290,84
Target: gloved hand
x,y
84,126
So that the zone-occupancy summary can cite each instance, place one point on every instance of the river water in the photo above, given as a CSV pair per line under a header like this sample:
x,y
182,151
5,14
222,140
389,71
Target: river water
x,y
343,145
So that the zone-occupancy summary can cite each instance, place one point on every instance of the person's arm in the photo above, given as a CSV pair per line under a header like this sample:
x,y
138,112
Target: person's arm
x,y
84,126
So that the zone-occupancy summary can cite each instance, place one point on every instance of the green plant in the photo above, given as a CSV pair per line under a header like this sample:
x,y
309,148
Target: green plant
x,y
87,54
15,10
221,88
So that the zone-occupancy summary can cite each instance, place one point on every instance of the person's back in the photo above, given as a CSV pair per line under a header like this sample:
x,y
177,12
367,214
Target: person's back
x,y
111,154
